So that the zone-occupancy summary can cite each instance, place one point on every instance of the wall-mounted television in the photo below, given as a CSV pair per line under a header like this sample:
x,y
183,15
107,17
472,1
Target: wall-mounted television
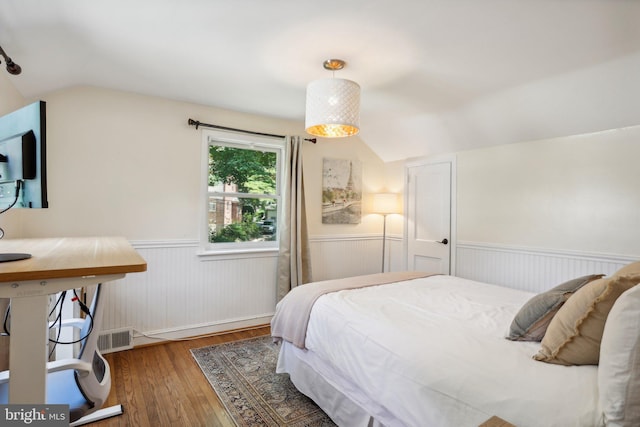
x,y
23,166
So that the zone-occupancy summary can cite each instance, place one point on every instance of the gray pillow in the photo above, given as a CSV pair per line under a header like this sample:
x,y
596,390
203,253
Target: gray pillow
x,y
531,322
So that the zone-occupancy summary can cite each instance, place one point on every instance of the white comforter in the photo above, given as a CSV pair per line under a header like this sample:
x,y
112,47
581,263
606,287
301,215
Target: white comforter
x,y
432,352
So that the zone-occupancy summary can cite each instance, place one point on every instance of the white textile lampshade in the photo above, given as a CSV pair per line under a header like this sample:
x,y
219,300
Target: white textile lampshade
x,y
333,108
385,203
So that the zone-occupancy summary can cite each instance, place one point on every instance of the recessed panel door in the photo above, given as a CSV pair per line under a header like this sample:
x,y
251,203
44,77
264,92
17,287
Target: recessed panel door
x,y
429,218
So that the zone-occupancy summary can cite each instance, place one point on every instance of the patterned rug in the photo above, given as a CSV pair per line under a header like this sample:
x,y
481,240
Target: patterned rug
x,y
243,374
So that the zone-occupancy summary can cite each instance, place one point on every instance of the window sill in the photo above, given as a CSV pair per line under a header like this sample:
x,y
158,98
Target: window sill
x,y
210,255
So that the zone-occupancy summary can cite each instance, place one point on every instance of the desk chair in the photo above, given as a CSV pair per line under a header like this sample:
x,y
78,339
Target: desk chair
x,y
81,383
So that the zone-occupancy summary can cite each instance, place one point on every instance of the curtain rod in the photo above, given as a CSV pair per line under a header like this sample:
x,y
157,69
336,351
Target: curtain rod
x,y
197,124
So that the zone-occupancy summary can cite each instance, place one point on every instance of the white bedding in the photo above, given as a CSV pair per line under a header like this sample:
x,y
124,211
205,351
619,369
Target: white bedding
x,y
432,352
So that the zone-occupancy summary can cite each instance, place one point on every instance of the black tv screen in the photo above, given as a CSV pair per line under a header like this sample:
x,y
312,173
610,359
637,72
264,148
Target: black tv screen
x,y
23,158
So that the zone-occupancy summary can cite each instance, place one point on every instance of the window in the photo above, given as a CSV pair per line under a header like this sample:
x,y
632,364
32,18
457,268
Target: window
x,y
243,191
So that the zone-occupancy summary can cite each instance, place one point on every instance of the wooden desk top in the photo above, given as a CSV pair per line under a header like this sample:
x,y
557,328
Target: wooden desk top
x,y
56,258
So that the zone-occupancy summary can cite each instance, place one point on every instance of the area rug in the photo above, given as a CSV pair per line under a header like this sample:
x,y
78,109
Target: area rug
x,y
243,374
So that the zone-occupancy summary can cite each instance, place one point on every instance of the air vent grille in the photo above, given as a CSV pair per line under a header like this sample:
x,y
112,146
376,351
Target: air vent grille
x,y
115,340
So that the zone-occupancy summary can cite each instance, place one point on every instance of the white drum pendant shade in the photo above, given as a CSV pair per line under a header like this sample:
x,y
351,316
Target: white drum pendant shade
x,y
333,108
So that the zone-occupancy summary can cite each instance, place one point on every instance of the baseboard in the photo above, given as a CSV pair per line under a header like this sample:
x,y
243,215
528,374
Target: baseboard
x,y
196,331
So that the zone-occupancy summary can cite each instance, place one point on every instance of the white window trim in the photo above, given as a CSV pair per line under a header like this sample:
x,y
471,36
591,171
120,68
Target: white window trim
x,y
240,141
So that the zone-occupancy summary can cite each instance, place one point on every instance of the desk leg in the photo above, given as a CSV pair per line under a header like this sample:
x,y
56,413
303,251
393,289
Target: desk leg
x,y
28,350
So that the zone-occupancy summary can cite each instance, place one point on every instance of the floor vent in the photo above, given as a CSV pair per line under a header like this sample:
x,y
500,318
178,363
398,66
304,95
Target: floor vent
x,y
115,340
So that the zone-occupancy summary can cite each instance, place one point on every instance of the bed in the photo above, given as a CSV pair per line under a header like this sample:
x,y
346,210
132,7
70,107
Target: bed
x,y
430,350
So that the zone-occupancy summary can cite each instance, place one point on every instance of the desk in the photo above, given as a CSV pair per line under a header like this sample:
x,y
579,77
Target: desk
x,y
57,264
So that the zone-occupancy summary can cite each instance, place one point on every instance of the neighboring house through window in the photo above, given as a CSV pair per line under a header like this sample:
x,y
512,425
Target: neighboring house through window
x,y
242,175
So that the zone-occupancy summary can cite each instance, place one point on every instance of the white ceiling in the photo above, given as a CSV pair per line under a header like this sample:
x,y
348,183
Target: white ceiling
x,y
436,75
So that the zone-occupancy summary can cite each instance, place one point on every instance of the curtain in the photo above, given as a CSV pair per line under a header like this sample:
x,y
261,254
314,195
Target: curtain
x,y
294,260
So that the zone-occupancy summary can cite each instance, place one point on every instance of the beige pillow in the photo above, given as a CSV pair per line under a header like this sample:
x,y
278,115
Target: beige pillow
x,y
574,334
633,268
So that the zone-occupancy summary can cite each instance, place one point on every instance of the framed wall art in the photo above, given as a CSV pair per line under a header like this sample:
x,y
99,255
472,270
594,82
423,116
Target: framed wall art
x,y
341,191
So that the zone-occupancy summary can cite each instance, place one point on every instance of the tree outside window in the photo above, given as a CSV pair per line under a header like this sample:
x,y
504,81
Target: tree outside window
x,y
243,194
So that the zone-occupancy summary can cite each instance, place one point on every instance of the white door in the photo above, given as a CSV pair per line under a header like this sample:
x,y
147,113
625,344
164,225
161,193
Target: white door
x,y
429,218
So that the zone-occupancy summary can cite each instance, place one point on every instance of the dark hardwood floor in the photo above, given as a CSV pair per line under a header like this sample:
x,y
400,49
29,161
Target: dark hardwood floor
x,y
162,385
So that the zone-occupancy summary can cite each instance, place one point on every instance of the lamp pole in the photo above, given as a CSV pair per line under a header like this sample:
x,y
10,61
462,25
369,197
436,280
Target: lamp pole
x,y
384,204
384,237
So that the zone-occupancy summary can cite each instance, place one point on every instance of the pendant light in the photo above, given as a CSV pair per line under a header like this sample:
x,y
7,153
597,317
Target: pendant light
x,y
333,105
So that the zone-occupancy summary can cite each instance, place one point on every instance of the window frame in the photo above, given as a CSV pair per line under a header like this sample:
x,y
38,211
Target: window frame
x,y
242,141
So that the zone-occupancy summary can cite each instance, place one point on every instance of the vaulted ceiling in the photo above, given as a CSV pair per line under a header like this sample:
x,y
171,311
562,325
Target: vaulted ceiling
x,y
436,75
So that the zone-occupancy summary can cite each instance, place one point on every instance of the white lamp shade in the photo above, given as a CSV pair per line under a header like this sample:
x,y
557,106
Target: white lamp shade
x,y
385,203
333,108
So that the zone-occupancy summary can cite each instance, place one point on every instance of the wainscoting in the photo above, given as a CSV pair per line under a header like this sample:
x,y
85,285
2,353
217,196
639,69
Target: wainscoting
x,y
334,257
183,295
530,269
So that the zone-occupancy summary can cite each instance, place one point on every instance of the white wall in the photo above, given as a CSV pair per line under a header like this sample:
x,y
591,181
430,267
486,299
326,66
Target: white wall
x,y
10,100
579,193
374,179
126,164
532,215
342,250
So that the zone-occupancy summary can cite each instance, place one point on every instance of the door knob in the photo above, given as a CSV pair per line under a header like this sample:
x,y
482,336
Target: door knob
x,y
443,241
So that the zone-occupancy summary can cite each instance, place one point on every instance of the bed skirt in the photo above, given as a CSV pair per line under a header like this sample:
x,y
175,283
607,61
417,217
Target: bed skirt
x,y
343,410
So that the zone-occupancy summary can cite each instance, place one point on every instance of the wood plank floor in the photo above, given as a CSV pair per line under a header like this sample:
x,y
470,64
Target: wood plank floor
x,y
162,385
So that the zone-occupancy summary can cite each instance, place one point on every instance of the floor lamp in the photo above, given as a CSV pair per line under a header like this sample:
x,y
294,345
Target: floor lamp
x,y
385,204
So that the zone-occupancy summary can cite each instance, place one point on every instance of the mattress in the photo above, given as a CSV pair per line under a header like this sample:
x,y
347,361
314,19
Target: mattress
x,y
432,352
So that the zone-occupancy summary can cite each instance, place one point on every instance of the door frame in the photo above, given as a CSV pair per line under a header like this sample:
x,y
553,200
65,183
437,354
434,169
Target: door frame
x,y
425,161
